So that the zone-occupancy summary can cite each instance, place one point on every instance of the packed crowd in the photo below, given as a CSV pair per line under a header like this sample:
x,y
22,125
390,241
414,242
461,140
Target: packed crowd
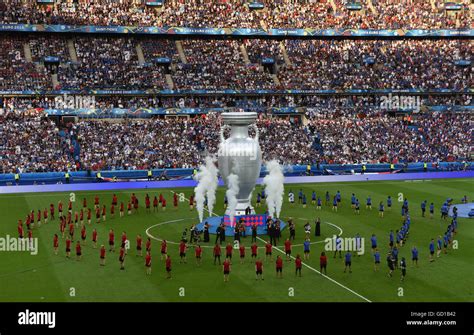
x,y
46,45
165,143
218,65
15,72
343,130
33,143
415,14
158,48
102,62
376,64
385,14
106,62
331,135
376,137
137,144
109,63
260,49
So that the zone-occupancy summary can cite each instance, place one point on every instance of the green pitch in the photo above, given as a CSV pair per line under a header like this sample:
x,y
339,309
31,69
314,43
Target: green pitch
x,y
50,277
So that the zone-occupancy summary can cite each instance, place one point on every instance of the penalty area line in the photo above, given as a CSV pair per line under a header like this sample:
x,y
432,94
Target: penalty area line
x,y
325,276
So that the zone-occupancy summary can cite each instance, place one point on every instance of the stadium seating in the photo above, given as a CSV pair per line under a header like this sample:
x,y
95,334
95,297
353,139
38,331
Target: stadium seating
x,y
383,14
218,65
111,62
16,73
396,64
349,129
332,135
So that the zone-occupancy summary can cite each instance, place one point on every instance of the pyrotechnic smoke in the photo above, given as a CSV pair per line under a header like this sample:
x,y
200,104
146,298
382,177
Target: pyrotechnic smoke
x,y
207,185
274,188
213,183
231,193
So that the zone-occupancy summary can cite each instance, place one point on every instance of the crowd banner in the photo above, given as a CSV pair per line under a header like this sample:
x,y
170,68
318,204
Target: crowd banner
x,y
242,32
129,112
155,3
453,6
354,6
154,92
149,112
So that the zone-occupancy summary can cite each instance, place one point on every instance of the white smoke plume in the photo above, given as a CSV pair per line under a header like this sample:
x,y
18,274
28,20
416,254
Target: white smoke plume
x,y
213,183
274,188
231,193
207,185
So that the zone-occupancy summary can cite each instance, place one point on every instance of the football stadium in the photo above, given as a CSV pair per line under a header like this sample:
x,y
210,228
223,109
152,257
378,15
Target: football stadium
x,y
236,151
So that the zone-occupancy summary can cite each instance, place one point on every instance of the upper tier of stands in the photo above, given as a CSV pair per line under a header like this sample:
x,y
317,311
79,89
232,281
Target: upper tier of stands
x,y
322,14
96,62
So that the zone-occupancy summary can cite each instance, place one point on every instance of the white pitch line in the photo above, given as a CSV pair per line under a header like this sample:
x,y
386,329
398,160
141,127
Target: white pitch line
x,y
332,224
168,241
147,231
160,224
325,276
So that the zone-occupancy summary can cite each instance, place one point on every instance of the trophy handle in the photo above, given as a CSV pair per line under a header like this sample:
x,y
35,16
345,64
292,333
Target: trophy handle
x,y
223,128
256,131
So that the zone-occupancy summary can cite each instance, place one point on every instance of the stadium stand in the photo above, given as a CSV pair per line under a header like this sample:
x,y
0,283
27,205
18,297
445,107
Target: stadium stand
x,y
332,127
331,135
398,14
111,62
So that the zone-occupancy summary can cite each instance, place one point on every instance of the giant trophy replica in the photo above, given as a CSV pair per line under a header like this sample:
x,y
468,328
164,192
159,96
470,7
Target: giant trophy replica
x,y
241,155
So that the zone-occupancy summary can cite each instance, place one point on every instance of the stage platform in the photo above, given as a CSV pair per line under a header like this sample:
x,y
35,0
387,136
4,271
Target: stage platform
x,y
259,219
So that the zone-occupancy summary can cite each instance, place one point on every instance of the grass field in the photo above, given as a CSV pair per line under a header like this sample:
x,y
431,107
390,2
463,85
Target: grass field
x,y
50,277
